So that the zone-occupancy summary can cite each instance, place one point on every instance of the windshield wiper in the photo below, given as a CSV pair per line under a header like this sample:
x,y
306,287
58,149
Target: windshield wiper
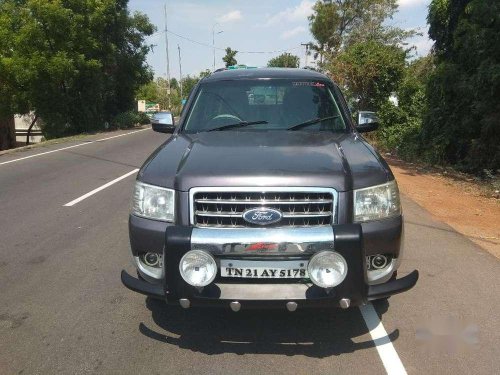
x,y
238,125
311,122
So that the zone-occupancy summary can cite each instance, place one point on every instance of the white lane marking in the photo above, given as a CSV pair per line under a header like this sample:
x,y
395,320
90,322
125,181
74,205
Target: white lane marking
x,y
386,351
73,146
90,193
119,135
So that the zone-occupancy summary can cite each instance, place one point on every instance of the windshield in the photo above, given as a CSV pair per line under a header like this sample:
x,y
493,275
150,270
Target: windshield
x,y
264,105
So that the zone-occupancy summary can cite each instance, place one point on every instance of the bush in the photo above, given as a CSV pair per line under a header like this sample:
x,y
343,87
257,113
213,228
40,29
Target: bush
x,y
401,125
399,132
143,119
125,120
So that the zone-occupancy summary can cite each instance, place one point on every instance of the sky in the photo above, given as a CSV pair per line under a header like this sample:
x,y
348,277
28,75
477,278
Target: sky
x,y
269,26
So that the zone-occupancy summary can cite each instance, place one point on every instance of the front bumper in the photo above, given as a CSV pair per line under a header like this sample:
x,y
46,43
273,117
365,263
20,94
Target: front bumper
x,y
225,297
344,239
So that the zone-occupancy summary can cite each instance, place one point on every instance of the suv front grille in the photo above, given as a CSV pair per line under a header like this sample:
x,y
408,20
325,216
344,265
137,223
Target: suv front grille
x,y
224,207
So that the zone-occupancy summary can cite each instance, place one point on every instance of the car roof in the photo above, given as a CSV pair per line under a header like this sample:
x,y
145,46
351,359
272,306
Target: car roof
x,y
261,73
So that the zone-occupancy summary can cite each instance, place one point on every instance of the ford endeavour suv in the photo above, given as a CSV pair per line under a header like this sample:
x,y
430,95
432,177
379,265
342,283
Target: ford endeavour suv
x,y
266,195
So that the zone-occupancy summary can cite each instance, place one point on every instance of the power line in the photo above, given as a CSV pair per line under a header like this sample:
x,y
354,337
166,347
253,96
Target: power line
x,y
220,48
195,41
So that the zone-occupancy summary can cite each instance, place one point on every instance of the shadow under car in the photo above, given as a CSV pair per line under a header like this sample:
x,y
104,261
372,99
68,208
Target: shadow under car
x,y
308,332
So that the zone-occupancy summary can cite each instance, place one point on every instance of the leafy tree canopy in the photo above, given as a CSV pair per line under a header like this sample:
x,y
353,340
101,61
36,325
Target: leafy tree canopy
x,y
369,72
148,92
75,63
358,50
462,124
401,124
156,91
336,24
205,73
285,60
230,57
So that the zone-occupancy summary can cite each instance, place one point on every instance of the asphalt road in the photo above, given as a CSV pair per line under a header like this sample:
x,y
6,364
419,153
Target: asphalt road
x,y
63,309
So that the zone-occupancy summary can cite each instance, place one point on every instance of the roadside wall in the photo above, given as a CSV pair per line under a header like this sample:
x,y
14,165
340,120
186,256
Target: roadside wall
x,y
22,123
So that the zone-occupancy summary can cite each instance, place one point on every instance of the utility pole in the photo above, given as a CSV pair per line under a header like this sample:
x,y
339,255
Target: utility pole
x,y
180,70
307,52
213,39
168,62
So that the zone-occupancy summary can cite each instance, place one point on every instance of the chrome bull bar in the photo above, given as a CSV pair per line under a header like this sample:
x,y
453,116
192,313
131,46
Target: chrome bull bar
x,y
263,241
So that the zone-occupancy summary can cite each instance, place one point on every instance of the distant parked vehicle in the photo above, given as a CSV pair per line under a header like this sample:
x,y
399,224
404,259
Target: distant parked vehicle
x,y
163,122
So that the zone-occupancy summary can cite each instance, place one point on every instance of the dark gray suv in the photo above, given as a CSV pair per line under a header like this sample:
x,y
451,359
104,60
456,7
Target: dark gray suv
x,y
266,195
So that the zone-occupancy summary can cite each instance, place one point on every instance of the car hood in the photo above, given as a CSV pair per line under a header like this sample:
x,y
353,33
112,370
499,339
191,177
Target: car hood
x,y
272,158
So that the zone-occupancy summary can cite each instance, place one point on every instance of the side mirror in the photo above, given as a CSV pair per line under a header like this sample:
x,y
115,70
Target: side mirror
x,y
164,124
163,128
367,121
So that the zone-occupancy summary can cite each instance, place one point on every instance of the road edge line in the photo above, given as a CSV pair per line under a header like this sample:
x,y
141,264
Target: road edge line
x,y
90,193
68,147
383,344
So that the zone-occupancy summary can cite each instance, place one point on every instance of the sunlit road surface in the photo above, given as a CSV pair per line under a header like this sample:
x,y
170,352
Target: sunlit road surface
x,y
64,241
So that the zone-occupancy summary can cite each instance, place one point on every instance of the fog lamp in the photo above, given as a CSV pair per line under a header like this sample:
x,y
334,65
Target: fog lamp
x,y
327,269
152,259
198,268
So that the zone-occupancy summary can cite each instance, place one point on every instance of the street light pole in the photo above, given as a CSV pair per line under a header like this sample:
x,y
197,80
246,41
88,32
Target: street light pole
x,y
168,62
213,38
307,52
180,70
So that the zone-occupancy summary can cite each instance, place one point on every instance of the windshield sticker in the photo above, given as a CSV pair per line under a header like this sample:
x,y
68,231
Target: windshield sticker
x,y
308,83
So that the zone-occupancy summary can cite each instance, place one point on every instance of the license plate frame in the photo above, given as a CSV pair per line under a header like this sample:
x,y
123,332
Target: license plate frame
x,y
263,269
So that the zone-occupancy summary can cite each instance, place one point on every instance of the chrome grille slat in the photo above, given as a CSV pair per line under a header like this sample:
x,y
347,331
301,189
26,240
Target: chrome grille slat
x,y
224,207
206,201
217,214
285,215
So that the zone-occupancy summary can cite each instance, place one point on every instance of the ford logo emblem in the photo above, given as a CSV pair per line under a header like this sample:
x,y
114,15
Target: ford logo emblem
x,y
262,216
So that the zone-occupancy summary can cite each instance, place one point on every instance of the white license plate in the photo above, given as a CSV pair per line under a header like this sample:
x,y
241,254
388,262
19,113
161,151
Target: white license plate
x,y
287,269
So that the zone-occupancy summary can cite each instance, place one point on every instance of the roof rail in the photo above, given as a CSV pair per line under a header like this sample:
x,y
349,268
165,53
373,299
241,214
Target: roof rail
x,y
235,67
240,66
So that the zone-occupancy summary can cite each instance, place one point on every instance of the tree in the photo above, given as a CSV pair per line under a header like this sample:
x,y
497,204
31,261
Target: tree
x,y
360,51
156,91
7,133
148,92
163,96
205,73
75,64
188,83
230,58
285,60
462,122
369,72
174,84
401,123
337,24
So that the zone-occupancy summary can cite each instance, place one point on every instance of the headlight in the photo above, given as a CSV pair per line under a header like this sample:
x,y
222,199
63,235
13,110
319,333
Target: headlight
x,y
153,202
198,268
377,202
327,269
